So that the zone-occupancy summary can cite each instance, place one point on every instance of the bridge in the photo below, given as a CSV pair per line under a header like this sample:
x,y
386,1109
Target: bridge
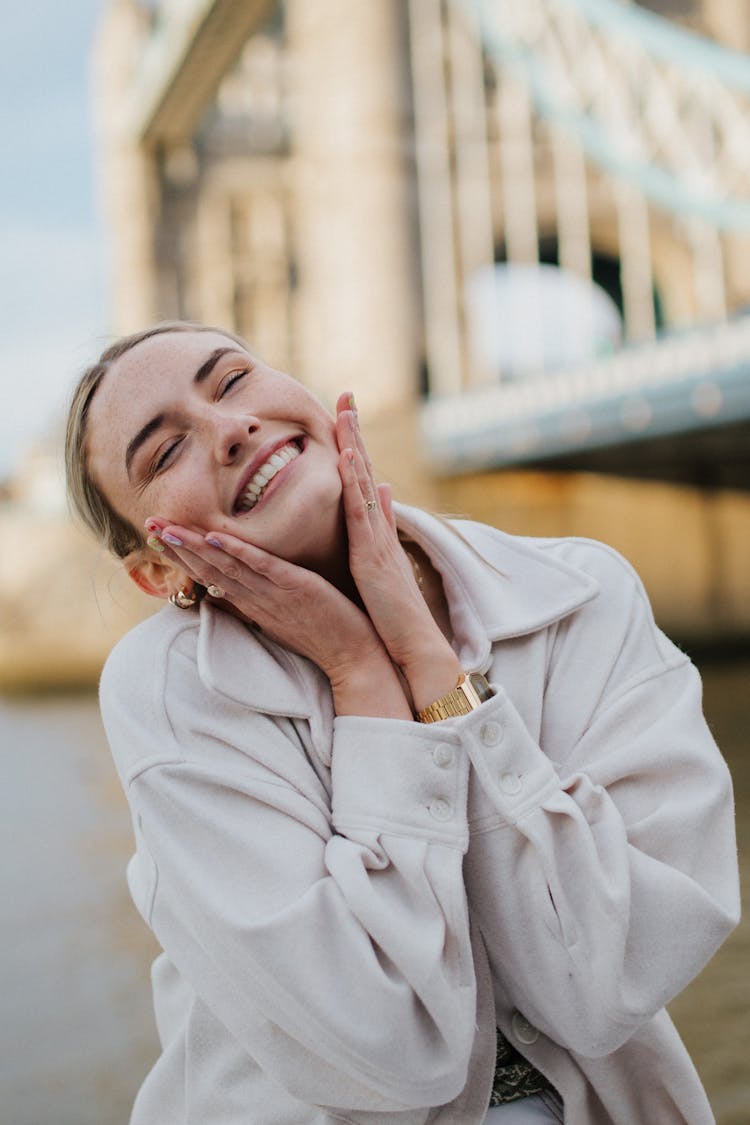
x,y
583,142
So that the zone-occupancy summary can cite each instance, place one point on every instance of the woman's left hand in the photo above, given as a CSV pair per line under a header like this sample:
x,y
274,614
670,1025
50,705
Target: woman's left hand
x,y
383,573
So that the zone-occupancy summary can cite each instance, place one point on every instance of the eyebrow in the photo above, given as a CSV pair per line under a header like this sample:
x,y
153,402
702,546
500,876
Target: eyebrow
x,y
143,434
206,368
151,426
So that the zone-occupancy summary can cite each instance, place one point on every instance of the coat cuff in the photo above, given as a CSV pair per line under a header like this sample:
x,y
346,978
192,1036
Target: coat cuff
x,y
400,777
514,773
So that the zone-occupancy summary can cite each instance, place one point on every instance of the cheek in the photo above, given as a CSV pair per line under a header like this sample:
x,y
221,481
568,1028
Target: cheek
x,y
180,497
301,404
326,492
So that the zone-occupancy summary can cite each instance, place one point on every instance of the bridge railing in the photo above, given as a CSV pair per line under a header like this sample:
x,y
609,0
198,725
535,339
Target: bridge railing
x,y
590,126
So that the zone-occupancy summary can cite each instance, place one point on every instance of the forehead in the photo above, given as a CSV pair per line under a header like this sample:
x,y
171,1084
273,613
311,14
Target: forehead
x,y
151,371
161,358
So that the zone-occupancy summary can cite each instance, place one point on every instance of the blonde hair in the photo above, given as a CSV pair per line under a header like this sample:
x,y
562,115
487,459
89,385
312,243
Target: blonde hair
x,y
87,500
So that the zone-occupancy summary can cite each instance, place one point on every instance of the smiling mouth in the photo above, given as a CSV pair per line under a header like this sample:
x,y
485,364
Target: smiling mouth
x,y
258,483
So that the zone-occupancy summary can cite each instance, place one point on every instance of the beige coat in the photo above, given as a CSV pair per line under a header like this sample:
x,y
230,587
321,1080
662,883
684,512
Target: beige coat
x,y
347,905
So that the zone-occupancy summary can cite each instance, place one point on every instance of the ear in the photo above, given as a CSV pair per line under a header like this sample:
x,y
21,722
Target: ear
x,y
155,576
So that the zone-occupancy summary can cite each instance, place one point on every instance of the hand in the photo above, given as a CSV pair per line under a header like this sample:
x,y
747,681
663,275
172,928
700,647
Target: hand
x,y
383,573
298,609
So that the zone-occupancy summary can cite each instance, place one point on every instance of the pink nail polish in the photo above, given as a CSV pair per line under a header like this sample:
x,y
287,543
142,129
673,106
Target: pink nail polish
x,y
171,539
214,542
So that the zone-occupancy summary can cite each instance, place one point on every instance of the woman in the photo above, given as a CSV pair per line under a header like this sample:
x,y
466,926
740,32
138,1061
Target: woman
x,y
351,902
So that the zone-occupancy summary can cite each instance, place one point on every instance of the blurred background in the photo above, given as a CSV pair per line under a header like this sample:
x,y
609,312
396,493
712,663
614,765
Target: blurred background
x,y
518,231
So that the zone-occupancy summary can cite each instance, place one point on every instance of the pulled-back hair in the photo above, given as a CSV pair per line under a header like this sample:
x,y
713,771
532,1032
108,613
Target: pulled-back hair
x,y
86,498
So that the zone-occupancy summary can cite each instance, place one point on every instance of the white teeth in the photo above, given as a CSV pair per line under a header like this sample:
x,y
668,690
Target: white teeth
x,y
255,487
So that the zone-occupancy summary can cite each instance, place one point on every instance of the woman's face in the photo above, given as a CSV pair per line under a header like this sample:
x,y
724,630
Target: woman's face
x,y
186,426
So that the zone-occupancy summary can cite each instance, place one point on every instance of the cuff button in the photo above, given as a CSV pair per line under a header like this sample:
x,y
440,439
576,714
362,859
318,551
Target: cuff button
x,y
441,809
443,755
510,783
491,733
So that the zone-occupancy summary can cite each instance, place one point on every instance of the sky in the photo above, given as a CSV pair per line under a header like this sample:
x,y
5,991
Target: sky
x,y
52,287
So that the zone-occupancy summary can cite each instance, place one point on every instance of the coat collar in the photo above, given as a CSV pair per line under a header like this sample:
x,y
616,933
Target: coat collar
x,y
528,589
524,588
236,661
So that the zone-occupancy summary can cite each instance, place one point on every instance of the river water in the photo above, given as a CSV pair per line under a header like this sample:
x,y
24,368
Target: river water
x,y
77,1032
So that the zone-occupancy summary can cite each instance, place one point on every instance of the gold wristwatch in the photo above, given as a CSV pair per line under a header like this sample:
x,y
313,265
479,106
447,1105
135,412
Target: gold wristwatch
x,y
469,693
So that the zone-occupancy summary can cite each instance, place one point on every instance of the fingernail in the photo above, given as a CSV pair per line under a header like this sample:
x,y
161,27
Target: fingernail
x,y
173,540
151,525
350,457
155,543
214,542
352,404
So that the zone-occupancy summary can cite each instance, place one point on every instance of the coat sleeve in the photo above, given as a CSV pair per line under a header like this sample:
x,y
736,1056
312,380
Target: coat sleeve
x,y
312,931
605,866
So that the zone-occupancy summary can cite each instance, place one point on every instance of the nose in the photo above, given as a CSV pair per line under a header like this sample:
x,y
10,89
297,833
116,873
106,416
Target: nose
x,y
231,434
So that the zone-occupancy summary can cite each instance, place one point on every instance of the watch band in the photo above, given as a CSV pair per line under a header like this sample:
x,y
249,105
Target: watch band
x,y
471,691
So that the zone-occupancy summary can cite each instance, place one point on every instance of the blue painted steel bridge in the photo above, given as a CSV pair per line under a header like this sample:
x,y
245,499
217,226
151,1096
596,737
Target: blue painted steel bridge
x,y
598,133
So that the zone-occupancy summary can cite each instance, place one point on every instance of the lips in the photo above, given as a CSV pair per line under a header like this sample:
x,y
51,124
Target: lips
x,y
264,467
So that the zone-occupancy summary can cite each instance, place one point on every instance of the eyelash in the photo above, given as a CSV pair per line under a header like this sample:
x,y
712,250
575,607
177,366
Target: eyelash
x,y
161,461
230,382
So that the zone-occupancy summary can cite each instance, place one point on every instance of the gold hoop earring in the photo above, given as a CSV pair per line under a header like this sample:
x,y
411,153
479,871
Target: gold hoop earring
x,y
184,599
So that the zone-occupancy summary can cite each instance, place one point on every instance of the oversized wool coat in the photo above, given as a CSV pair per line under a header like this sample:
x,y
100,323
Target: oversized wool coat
x,y
348,906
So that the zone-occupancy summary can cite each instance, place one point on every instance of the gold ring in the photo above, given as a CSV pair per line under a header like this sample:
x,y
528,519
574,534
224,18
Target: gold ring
x,y
215,591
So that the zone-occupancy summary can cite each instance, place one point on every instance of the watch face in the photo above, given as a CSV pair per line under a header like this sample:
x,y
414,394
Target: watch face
x,y
481,686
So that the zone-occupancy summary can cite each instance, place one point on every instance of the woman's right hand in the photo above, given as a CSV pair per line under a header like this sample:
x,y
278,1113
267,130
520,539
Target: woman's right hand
x,y
298,609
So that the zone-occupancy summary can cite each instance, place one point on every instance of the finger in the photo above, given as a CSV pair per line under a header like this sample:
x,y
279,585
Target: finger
x,y
153,528
355,499
360,441
349,437
345,401
367,484
208,564
234,582
235,558
160,530
385,496
227,551
346,431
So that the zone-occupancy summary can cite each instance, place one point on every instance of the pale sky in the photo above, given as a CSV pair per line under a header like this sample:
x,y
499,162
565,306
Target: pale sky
x,y
52,298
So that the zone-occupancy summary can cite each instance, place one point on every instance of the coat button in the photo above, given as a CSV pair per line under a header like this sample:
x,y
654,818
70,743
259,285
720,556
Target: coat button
x,y
510,783
443,755
524,1031
491,733
441,809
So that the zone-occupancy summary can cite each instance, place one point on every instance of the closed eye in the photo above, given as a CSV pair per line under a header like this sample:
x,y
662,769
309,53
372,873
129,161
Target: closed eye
x,y
165,457
233,378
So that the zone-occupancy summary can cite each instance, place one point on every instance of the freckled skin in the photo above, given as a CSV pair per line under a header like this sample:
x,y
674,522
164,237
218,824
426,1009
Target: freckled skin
x,y
316,564
219,426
